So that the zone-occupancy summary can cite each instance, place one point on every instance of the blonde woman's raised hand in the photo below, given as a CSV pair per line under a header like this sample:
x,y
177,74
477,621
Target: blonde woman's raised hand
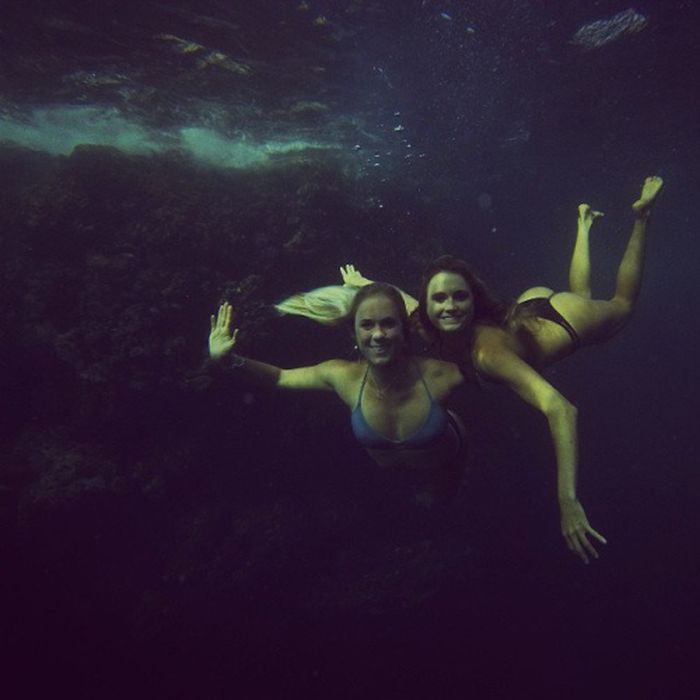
x,y
221,339
352,277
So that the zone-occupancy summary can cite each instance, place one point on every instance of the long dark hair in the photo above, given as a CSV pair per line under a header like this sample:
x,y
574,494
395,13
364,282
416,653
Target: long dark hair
x,y
390,292
488,307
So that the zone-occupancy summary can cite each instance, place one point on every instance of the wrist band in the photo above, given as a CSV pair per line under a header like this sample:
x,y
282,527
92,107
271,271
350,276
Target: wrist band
x,y
236,360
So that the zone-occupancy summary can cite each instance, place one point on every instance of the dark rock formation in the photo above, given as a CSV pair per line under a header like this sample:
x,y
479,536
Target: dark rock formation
x,y
182,500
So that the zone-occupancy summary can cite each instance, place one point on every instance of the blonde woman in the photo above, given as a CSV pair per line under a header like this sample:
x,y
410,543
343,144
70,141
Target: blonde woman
x,y
395,397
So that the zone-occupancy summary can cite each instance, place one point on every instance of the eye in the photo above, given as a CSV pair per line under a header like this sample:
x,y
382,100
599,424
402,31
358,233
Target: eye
x,y
389,323
439,297
366,324
462,295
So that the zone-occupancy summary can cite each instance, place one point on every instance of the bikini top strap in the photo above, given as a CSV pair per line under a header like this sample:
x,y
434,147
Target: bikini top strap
x,y
425,384
362,387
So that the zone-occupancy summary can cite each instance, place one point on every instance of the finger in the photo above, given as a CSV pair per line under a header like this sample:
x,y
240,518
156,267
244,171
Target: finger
x,y
212,320
575,547
596,214
588,546
569,542
235,335
582,555
229,314
223,311
596,534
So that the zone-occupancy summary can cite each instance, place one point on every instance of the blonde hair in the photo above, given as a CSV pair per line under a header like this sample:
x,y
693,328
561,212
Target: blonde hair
x,y
327,305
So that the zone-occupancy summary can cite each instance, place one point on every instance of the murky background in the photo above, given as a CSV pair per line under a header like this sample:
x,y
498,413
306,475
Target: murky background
x,y
162,536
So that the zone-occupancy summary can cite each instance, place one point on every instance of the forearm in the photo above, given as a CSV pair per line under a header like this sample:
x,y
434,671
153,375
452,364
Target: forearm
x,y
259,373
562,426
561,414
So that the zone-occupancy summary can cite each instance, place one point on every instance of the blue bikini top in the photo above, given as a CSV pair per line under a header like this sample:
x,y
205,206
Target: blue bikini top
x,y
431,431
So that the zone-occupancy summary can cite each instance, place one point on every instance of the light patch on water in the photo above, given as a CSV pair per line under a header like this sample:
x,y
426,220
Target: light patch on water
x,y
58,130
215,149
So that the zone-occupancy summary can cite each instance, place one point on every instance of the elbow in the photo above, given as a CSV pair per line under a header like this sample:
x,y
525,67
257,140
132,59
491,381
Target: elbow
x,y
560,408
485,362
480,357
571,411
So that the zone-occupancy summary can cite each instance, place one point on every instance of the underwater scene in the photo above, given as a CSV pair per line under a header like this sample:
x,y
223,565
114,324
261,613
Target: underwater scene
x,y
348,349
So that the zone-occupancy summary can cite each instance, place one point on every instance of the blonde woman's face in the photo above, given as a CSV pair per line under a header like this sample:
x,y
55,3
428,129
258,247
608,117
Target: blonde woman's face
x,y
378,330
450,302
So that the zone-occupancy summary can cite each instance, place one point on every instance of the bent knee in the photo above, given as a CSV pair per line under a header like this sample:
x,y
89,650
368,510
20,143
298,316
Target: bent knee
x,y
623,309
559,405
618,313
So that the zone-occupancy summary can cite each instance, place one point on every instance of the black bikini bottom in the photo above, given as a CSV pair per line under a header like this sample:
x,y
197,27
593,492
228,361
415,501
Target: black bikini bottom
x,y
541,307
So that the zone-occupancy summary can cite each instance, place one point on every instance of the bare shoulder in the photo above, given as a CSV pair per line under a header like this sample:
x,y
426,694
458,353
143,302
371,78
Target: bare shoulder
x,y
487,334
491,342
440,373
332,375
338,365
339,369
429,366
499,361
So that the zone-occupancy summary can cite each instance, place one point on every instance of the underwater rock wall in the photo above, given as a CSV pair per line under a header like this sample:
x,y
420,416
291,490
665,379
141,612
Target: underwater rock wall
x,y
119,457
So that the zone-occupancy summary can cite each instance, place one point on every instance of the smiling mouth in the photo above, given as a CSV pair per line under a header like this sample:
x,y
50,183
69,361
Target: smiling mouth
x,y
380,350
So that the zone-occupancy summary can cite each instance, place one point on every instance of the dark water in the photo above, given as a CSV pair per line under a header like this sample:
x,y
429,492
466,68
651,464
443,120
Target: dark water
x,y
165,538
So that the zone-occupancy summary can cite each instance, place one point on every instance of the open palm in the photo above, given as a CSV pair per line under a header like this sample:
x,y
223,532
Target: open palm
x,y
221,339
352,277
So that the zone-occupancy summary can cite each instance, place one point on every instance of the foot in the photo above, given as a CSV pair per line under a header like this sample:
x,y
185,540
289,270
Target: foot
x,y
586,216
650,190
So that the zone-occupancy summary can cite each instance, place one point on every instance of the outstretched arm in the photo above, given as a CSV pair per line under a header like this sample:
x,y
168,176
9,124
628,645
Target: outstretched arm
x,y
222,340
505,366
353,278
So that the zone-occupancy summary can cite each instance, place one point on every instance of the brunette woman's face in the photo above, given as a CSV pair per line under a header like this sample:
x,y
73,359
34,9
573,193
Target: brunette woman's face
x,y
378,330
450,302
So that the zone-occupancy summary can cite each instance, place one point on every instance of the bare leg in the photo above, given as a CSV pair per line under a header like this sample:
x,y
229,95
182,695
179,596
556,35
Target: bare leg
x,y
596,320
580,268
629,274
